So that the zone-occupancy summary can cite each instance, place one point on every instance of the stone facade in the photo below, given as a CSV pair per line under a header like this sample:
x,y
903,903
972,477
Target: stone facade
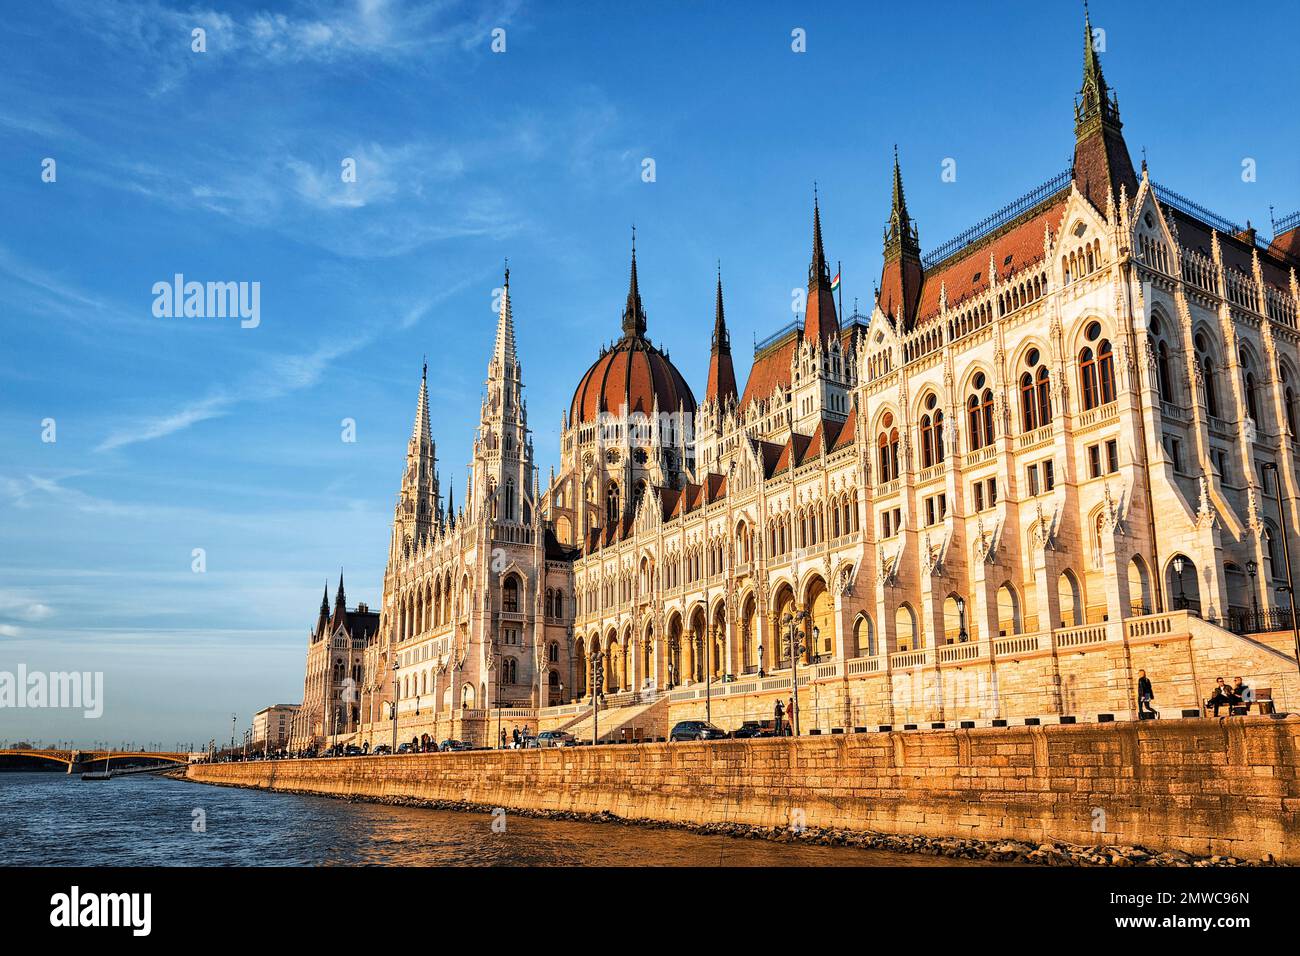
x,y
1052,454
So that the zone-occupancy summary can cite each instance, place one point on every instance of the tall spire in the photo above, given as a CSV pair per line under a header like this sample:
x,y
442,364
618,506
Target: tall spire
x,y
504,353
900,280
820,321
417,500
633,313
900,234
1102,165
818,270
340,599
420,430
322,618
722,374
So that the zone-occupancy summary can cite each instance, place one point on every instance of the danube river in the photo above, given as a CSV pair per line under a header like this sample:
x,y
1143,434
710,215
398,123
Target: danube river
x,y
50,819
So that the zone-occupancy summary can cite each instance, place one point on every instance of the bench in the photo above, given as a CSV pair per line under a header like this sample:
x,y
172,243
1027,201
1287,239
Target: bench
x,y
1262,699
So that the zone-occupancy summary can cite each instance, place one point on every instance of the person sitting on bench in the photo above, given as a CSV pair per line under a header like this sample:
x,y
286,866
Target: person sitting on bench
x,y
1242,697
1222,697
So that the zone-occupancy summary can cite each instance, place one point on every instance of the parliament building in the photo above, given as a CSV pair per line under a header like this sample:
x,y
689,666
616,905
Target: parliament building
x,y
1062,447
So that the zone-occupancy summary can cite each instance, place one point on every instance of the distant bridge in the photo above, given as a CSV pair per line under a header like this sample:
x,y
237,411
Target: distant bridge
x,y
77,758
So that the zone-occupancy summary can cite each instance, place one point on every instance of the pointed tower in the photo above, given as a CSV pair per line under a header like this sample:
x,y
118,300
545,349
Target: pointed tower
x,y
502,456
417,501
323,617
820,322
900,282
1102,165
633,313
340,601
721,387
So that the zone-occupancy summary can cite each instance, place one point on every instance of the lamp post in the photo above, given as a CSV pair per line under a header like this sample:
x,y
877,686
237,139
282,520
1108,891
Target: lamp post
x,y
1178,570
795,641
1252,569
1286,554
233,718
597,678
397,689
761,672
962,636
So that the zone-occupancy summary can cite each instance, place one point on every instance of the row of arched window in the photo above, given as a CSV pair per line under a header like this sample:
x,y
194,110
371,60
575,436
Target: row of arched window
x,y
1097,386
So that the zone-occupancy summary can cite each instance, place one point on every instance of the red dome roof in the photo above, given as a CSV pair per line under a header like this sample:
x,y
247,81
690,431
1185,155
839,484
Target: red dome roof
x,y
634,374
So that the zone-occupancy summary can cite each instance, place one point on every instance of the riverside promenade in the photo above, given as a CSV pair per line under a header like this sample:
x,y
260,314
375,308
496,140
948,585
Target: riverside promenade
x,y
1228,787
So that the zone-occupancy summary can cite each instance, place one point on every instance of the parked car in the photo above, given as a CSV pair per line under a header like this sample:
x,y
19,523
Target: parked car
x,y
352,750
382,749
755,728
697,730
453,745
404,748
554,738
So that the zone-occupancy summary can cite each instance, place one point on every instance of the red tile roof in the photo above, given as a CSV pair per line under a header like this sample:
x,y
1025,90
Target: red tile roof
x,y
966,274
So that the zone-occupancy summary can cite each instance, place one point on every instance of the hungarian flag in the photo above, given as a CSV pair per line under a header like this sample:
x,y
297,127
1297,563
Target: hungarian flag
x,y
835,283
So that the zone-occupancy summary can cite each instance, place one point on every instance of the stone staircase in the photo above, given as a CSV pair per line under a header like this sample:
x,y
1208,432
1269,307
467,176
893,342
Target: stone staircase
x,y
643,719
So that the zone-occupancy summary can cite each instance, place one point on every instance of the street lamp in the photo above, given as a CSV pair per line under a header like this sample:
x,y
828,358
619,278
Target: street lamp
x,y
1252,568
1178,570
1286,554
962,636
597,678
795,642
233,718
397,689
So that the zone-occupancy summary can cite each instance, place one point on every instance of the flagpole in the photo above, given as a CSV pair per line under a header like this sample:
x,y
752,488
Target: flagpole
x,y
839,272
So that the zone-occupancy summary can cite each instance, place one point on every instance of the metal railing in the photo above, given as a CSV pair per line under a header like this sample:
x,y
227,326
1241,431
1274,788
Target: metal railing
x,y
998,219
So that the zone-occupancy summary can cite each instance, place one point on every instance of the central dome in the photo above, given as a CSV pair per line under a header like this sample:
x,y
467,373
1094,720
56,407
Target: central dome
x,y
633,374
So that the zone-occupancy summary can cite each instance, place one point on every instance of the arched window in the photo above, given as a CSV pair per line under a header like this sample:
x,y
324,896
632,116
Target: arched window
x,y
931,432
1207,375
1028,402
979,410
1288,403
510,594
887,446
612,508
1035,392
509,509
1088,378
1106,372
1162,372
1248,380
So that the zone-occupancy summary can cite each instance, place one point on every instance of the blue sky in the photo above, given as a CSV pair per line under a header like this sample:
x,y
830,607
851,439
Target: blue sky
x,y
176,434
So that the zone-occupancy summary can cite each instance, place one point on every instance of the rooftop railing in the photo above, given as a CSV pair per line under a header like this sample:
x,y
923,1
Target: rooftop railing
x,y
997,220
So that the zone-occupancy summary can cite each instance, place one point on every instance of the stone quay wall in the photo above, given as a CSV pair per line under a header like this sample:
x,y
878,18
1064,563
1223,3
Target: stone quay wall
x,y
1203,786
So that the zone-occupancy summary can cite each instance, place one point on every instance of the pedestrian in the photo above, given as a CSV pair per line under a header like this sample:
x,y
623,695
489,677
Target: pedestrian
x,y
789,709
503,738
515,736
779,712
1145,696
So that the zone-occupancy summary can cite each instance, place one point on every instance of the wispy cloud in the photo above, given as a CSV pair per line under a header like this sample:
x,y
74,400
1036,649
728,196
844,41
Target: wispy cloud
x,y
158,35
279,376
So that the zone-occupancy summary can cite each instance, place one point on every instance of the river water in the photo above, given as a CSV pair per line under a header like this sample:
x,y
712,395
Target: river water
x,y
50,819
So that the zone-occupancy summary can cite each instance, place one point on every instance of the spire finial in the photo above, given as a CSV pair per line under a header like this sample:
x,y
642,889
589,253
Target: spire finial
x,y
818,270
633,313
